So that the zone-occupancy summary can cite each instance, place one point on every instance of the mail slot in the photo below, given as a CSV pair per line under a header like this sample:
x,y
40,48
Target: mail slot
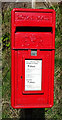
x,y
32,58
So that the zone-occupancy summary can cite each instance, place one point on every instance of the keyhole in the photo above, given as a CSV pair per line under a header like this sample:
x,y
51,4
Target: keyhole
x,y
21,77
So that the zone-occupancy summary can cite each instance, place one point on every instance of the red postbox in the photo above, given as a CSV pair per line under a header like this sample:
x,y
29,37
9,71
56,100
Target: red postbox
x,y
32,58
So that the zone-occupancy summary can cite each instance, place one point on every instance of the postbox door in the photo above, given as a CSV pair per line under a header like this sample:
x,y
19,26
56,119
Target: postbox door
x,y
35,97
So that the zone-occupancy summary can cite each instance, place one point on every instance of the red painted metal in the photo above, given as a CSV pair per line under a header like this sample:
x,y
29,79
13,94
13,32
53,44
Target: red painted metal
x,y
32,29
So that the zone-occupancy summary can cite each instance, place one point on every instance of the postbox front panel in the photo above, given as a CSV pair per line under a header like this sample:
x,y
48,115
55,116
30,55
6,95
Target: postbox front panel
x,y
32,58
29,92
33,29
